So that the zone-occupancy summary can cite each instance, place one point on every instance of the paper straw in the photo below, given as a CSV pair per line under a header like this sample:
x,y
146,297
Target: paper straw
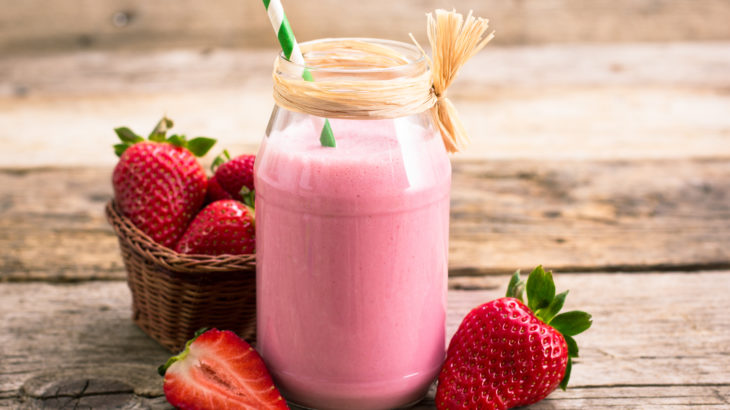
x,y
293,53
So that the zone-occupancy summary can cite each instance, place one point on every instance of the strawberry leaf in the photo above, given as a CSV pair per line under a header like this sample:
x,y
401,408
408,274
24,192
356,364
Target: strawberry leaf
x,y
572,346
158,134
571,323
547,314
177,140
200,146
247,196
516,287
120,148
127,135
564,382
540,289
220,160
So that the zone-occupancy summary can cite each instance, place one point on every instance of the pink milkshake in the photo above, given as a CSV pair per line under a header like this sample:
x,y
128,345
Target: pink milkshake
x,y
352,247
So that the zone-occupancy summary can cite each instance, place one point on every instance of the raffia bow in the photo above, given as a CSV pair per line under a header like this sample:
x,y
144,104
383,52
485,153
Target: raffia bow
x,y
454,40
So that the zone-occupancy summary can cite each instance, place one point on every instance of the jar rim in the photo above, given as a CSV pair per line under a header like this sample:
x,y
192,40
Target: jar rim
x,y
410,52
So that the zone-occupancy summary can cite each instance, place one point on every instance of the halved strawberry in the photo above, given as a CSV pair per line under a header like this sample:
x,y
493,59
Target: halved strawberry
x,y
218,370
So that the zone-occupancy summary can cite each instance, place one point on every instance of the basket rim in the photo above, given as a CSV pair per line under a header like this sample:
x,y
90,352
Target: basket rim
x,y
167,258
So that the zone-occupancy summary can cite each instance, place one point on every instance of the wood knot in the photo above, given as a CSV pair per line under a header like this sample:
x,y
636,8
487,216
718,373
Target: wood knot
x,y
83,393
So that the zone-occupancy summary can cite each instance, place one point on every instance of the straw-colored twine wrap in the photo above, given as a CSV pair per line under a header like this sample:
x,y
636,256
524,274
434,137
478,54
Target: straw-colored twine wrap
x,y
454,40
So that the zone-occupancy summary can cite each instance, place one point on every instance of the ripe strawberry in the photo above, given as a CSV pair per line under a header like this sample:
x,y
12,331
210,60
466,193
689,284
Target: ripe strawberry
x,y
234,176
158,183
215,191
223,227
218,370
506,354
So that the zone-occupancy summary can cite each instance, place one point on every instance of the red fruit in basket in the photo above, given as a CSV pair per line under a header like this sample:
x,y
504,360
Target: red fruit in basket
x,y
158,183
233,176
215,191
219,370
506,354
223,227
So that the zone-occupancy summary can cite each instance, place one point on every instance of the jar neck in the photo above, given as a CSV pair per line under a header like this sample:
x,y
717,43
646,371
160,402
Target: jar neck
x,y
356,59
355,79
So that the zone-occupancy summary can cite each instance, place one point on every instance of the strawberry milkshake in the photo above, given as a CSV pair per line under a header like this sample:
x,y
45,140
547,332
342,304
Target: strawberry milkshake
x,y
352,251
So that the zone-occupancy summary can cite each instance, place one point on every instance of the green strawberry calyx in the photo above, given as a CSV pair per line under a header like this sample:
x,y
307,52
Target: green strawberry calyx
x,y
199,146
182,355
220,160
248,196
546,305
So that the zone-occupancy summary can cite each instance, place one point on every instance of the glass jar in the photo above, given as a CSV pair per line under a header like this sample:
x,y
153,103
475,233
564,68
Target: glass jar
x,y
352,252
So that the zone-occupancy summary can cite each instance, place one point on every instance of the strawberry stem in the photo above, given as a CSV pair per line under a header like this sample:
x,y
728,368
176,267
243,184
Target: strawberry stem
x,y
158,134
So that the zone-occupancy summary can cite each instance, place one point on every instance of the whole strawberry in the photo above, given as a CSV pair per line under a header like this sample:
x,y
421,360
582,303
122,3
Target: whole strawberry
x,y
232,178
218,371
158,183
223,227
506,354
216,192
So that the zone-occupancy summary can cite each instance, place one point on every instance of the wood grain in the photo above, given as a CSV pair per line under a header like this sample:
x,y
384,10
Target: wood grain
x,y
41,25
585,215
631,101
567,215
654,342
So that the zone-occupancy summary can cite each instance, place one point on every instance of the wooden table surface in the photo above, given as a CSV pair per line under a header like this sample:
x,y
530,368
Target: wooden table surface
x,y
618,179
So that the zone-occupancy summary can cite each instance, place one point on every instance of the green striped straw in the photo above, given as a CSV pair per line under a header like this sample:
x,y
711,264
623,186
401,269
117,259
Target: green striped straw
x,y
293,53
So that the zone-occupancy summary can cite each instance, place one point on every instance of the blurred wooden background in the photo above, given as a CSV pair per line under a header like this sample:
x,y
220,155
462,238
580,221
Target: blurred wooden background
x,y
46,25
563,78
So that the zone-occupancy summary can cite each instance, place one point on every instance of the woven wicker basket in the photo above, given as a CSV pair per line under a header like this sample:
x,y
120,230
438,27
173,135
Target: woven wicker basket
x,y
173,294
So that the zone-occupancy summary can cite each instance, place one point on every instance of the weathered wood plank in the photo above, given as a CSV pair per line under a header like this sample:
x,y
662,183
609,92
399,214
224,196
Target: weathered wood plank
x,y
654,398
52,225
77,24
569,215
54,334
584,215
658,340
621,397
571,101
